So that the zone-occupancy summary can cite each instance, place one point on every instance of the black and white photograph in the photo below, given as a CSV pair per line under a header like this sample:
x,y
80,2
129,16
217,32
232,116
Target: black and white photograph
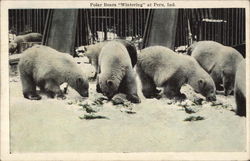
x,y
125,78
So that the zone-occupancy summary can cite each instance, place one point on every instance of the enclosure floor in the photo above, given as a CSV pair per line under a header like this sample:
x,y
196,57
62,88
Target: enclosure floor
x,y
52,125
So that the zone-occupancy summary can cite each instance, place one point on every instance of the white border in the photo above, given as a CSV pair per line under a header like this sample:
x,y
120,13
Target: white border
x,y
5,149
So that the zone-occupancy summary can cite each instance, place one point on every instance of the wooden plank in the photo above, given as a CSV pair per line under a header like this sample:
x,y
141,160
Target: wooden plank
x,y
61,31
13,59
162,28
147,28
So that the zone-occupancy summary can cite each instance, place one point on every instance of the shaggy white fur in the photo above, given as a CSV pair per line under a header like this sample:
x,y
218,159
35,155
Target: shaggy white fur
x,y
159,66
16,44
47,68
219,61
115,72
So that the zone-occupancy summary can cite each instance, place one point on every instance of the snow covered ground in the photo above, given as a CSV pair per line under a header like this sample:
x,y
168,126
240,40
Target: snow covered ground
x,y
52,125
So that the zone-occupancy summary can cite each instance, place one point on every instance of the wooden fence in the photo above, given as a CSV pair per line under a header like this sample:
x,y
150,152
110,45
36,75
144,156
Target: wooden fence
x,y
224,25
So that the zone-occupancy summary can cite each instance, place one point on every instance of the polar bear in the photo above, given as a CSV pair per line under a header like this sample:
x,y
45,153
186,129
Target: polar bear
x,y
93,51
16,44
240,89
158,66
219,61
115,72
47,68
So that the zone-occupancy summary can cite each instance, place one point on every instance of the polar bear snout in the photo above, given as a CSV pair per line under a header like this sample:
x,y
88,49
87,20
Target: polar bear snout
x,y
211,98
109,94
84,94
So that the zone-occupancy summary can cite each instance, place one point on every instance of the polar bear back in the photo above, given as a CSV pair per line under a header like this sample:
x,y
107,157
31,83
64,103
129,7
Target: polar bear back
x,y
94,50
156,57
47,63
210,54
30,37
114,55
162,63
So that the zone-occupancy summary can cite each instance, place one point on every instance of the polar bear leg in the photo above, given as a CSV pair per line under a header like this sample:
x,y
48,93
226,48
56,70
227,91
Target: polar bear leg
x,y
217,80
98,88
148,86
172,91
53,89
129,87
241,103
29,87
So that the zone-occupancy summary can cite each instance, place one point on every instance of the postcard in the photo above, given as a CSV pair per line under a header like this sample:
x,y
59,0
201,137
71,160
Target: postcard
x,y
125,80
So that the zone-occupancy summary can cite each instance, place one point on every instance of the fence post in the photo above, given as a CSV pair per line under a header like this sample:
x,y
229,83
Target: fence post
x,y
161,28
60,30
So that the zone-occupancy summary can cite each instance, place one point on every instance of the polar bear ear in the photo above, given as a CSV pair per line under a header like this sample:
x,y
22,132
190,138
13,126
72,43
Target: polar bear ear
x,y
110,83
201,83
